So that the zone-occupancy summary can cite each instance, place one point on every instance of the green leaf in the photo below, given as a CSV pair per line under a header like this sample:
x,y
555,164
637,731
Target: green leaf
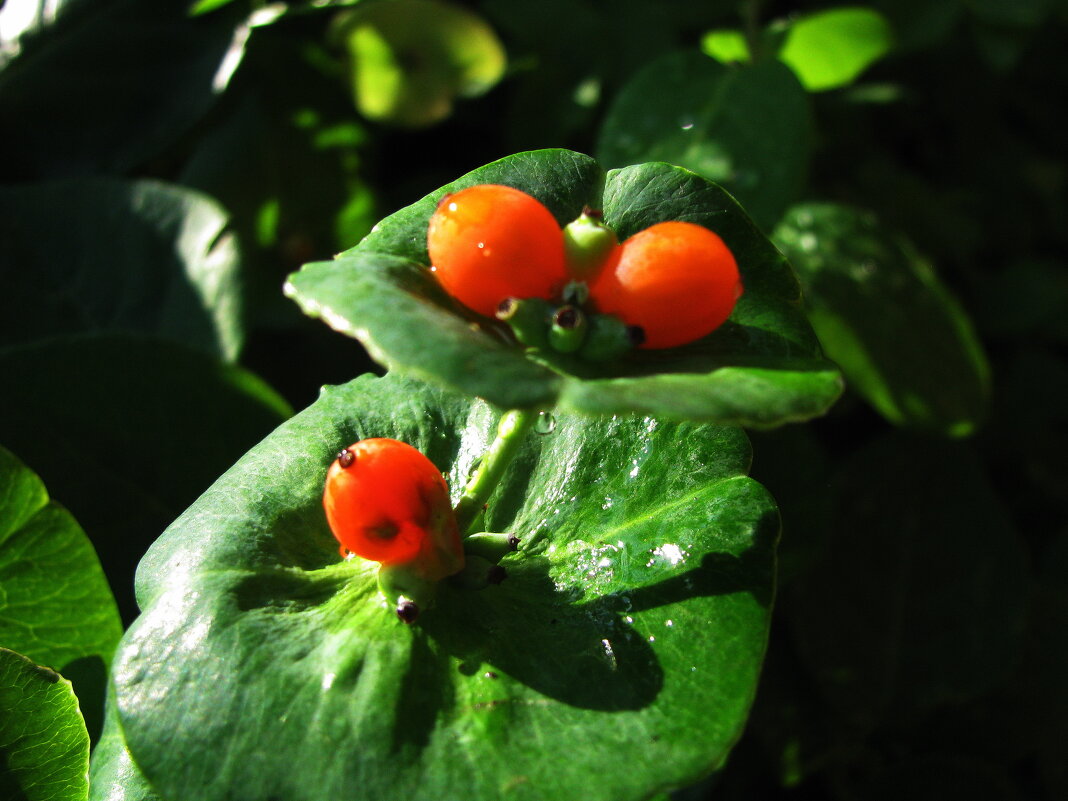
x,y
412,58
726,46
71,104
175,274
128,431
113,775
881,313
746,128
832,48
625,644
55,605
924,592
44,748
763,367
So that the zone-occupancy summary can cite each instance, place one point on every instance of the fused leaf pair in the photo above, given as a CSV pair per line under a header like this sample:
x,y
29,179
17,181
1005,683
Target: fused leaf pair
x,y
491,245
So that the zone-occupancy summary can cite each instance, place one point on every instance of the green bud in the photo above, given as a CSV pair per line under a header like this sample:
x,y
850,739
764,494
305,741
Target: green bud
x,y
609,338
528,319
491,546
406,590
588,242
568,329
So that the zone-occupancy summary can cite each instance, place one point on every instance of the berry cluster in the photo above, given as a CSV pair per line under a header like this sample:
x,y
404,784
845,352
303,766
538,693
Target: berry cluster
x,y
497,250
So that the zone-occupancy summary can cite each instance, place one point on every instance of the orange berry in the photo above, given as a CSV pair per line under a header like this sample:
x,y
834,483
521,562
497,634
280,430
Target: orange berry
x,y
676,280
488,243
385,501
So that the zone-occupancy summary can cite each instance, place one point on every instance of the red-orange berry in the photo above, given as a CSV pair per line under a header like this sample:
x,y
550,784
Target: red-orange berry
x,y
488,243
676,280
385,501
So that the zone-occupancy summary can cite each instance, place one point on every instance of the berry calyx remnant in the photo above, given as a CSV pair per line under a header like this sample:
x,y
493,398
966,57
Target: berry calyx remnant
x,y
490,242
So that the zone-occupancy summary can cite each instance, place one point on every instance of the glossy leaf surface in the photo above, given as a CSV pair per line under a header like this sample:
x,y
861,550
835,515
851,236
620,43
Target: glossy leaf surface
x,y
113,775
44,748
101,255
56,607
625,643
746,127
762,367
903,342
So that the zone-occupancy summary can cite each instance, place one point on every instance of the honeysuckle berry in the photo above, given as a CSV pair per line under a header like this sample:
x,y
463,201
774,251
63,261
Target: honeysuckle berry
x,y
387,502
678,281
490,242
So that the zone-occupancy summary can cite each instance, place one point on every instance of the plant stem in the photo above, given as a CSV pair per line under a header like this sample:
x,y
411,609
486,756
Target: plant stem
x,y
511,430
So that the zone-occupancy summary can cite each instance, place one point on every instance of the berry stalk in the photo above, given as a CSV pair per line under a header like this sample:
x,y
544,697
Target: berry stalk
x,y
511,430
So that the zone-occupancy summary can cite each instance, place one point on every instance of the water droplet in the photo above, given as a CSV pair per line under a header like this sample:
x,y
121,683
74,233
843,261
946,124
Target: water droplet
x,y
545,424
652,638
669,623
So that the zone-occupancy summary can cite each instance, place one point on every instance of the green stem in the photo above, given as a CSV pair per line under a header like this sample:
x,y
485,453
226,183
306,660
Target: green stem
x,y
511,430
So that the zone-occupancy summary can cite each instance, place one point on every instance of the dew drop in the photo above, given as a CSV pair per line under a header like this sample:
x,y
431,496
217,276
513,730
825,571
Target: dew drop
x,y
545,424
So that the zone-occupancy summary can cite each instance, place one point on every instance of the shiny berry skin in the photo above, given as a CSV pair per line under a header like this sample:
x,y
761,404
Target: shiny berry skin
x,y
488,243
676,280
385,501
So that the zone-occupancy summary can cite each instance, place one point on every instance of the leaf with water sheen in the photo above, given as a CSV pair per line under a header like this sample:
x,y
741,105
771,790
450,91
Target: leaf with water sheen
x,y
763,367
619,658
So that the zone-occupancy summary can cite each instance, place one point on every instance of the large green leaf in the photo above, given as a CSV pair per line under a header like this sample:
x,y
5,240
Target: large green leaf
x,y
44,748
763,367
113,775
56,607
71,103
619,657
99,255
128,431
880,311
745,127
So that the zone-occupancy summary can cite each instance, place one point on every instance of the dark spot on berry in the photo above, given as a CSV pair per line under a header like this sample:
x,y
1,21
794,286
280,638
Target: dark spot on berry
x,y
408,611
346,458
566,317
383,530
490,674
636,335
496,574
513,542
589,211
